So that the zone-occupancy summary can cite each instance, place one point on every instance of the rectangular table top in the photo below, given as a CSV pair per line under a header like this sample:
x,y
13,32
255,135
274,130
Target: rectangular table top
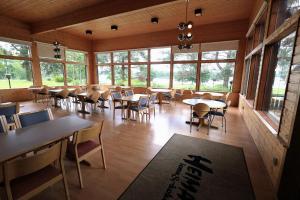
x,y
20,141
133,98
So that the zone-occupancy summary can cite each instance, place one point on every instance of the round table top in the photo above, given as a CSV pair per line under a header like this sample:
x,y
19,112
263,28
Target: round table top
x,y
160,90
210,103
214,94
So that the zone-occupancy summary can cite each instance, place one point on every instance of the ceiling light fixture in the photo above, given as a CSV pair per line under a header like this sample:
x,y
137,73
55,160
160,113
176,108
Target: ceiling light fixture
x,y
88,32
114,27
154,20
198,12
185,35
56,50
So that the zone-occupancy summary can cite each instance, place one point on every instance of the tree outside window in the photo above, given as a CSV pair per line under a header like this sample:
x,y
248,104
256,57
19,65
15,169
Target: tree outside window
x,y
185,76
52,73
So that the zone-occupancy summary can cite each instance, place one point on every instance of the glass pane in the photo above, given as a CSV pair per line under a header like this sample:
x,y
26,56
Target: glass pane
x,y
139,56
104,75
277,77
216,77
160,54
12,49
103,58
19,72
139,75
76,74
75,56
286,9
52,74
184,76
160,75
121,75
219,55
185,56
120,56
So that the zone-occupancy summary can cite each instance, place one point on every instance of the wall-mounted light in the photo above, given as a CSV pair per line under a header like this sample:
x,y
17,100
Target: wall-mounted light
x,y
198,12
154,20
114,27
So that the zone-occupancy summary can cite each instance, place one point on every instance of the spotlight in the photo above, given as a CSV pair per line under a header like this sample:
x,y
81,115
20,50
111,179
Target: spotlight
x,y
181,37
198,12
189,36
154,20
189,25
89,32
114,27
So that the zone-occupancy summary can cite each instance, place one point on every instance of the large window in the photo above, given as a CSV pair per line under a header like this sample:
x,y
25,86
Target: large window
x,y
121,75
160,75
103,58
15,73
76,68
277,76
139,75
120,57
139,55
52,73
104,75
216,77
160,54
219,55
185,76
185,56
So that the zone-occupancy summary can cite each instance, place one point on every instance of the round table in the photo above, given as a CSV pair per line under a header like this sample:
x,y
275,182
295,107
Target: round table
x,y
160,94
212,104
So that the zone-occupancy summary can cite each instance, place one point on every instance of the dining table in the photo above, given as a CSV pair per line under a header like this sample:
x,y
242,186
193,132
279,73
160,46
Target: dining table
x,y
212,104
130,100
215,95
21,141
160,93
82,97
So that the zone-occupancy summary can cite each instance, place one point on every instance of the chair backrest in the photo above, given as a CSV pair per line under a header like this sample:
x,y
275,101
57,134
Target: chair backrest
x,y
143,101
206,96
118,89
3,124
129,93
26,165
94,96
27,119
105,95
9,110
187,92
153,98
116,95
64,93
91,133
201,109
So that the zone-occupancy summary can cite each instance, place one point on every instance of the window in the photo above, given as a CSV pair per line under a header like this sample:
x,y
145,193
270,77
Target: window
x,y
75,56
216,76
286,9
277,76
104,75
52,73
160,75
184,76
246,77
139,56
139,75
15,73
76,74
103,58
160,54
219,55
253,76
185,56
121,75
120,57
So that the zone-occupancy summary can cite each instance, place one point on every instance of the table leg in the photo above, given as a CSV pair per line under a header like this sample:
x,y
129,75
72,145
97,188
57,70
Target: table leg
x,y
191,119
83,108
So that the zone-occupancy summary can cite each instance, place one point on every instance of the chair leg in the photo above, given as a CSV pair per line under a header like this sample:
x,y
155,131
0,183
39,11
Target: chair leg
x,y
65,185
103,157
79,173
225,123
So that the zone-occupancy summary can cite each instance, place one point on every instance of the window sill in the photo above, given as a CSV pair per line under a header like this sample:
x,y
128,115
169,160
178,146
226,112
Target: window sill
x,y
273,126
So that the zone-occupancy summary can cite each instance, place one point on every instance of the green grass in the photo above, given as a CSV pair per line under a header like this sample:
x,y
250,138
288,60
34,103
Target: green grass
x,y
25,84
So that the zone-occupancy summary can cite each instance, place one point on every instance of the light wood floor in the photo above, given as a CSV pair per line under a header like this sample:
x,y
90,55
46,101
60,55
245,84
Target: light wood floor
x,y
130,146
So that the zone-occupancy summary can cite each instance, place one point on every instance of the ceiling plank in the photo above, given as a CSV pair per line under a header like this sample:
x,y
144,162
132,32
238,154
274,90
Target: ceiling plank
x,y
101,10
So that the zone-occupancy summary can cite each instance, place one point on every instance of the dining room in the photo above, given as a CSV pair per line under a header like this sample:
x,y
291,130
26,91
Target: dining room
x,y
166,99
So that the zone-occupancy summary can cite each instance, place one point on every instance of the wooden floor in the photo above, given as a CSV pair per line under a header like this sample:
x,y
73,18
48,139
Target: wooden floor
x,y
129,147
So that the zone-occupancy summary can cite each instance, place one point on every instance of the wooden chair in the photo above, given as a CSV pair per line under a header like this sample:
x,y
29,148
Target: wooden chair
x,y
187,94
140,108
93,99
103,98
207,96
9,110
201,111
74,94
83,146
43,94
27,119
116,98
63,96
129,93
152,104
27,176
3,124
222,114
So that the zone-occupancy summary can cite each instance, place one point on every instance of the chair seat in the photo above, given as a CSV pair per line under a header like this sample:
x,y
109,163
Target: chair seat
x,y
137,108
82,148
196,116
89,101
216,113
25,184
121,107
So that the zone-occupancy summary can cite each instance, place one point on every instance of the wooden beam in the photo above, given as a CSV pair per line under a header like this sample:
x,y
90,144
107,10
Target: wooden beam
x,y
101,10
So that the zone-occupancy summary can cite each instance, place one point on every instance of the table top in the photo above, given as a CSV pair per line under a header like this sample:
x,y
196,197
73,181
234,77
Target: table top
x,y
160,90
20,141
215,94
123,87
210,103
85,94
59,90
134,98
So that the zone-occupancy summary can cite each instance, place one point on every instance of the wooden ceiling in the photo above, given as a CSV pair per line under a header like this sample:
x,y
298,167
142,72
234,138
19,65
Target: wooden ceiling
x,y
138,22
132,16
31,11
